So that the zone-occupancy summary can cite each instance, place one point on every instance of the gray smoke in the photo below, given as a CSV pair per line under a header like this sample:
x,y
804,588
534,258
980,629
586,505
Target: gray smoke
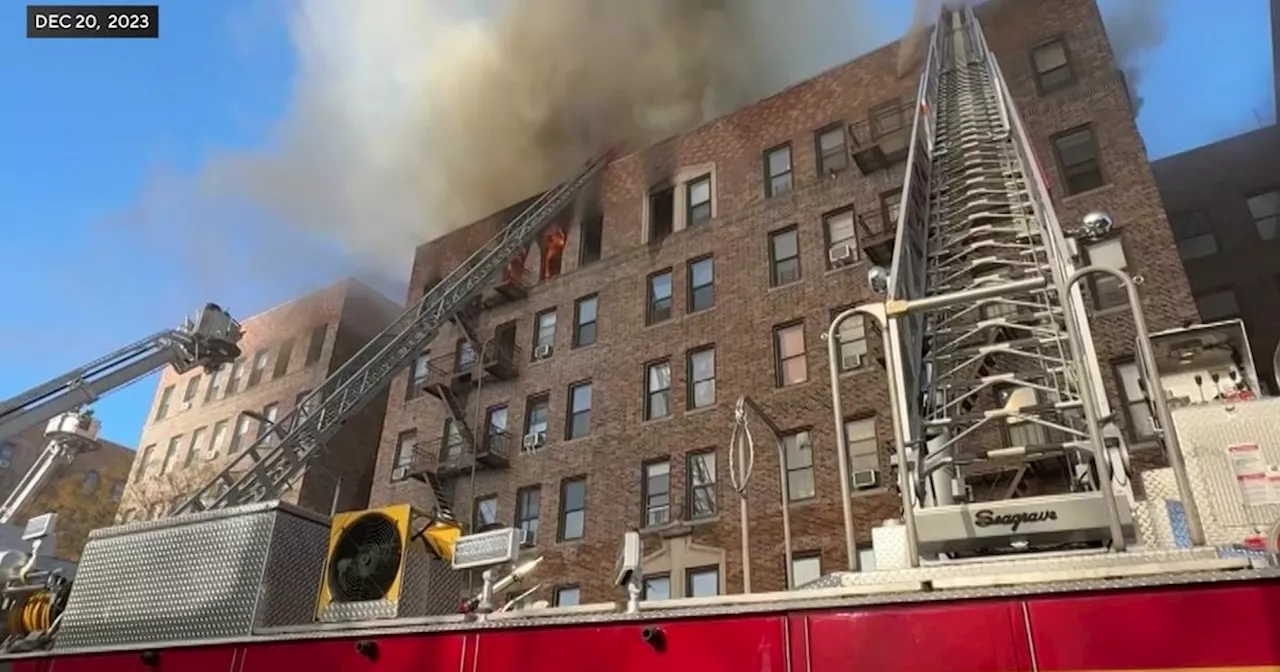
x,y
410,117
1135,29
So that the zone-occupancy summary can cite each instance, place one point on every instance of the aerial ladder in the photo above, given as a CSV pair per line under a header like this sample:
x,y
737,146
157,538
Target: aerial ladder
x,y
269,467
210,341
985,332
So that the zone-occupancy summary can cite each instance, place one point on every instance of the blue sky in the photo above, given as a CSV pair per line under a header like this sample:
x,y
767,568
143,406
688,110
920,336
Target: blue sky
x,y
87,124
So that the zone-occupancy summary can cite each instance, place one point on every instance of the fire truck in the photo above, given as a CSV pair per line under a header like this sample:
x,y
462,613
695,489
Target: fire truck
x,y
1079,561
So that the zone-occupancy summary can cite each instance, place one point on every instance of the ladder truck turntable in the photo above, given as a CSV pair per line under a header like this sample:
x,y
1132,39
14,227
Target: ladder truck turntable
x,y
982,293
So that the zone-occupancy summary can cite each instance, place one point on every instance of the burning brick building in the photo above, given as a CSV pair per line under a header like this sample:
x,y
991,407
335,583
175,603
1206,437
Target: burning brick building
x,y
199,419
592,391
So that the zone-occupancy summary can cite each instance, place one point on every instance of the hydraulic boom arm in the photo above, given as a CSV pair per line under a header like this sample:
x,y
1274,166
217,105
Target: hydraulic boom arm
x,y
267,468
209,341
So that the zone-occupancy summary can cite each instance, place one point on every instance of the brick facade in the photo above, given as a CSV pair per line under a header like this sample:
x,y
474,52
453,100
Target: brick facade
x,y
1225,250
85,493
351,313
746,310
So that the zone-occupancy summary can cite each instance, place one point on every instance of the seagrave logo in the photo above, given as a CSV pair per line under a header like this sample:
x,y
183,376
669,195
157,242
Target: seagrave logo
x,y
988,518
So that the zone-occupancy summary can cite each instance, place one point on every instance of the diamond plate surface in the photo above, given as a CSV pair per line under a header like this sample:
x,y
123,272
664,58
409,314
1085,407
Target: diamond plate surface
x,y
1204,432
183,578
295,567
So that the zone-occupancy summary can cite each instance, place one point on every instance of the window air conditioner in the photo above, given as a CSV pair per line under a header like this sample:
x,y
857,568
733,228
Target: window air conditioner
x,y
534,440
542,352
841,255
865,478
399,473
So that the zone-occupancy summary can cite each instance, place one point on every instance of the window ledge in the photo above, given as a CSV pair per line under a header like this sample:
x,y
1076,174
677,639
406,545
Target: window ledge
x,y
860,263
699,313
869,492
1084,194
806,502
703,409
577,348
790,285
863,370
569,543
650,421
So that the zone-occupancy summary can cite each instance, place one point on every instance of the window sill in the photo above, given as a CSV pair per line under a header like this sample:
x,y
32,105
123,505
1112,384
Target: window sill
x,y
794,386
702,409
1066,200
789,285
569,543
698,313
860,263
654,325
665,418
854,373
588,346
869,492
803,503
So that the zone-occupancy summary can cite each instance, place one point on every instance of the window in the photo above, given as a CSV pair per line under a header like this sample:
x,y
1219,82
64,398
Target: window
x,y
657,493
777,171
144,460
117,492
215,441
1052,66
1219,305
702,484
315,347
833,155
195,447
891,208
169,451
1265,209
573,508
702,582
242,428
805,567
659,297
237,374
657,401
91,480
1107,291
162,408
497,424
465,354
852,337
838,227
215,386
584,321
656,587
790,360
592,229
698,201
544,335
702,288
269,413
1193,233
485,514
861,445
536,414
418,376
784,257
798,455
282,359
702,378
566,596
662,212
890,117
189,395
528,505
259,368
6,454
452,442
1137,412
578,424
1077,153
406,443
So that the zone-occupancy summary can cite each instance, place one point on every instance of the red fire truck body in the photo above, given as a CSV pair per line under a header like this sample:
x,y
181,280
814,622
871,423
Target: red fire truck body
x,y
1201,623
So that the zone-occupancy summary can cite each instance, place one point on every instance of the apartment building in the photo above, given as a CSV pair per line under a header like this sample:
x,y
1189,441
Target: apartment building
x,y
595,393
1223,201
85,493
200,419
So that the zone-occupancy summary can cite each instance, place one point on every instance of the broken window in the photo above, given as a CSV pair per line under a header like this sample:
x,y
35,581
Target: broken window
x,y
592,229
552,252
662,212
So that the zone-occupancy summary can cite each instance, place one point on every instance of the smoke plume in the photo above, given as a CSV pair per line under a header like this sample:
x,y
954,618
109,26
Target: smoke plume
x,y
413,117
1135,28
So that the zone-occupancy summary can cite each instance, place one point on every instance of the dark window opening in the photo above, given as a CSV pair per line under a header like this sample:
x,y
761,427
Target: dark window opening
x,y
592,236
1077,152
662,213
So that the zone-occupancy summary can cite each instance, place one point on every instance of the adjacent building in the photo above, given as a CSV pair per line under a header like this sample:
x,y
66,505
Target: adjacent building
x,y
85,493
1223,202
595,393
198,419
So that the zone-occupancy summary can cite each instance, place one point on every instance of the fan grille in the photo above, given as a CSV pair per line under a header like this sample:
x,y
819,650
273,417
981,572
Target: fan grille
x,y
366,559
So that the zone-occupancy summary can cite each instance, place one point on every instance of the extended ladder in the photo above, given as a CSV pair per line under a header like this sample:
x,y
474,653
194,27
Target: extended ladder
x,y
267,468
989,345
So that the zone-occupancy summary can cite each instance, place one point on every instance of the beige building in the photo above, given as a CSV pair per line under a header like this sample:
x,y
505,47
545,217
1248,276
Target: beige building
x,y
198,419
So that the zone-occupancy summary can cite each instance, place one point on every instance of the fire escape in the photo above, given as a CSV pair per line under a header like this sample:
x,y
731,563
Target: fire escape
x,y
456,380
881,143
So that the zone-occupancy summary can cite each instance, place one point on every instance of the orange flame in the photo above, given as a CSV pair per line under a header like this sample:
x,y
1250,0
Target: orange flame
x,y
552,248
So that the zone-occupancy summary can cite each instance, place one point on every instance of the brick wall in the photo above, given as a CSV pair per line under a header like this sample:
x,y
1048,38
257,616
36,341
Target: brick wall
x,y
740,324
352,313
